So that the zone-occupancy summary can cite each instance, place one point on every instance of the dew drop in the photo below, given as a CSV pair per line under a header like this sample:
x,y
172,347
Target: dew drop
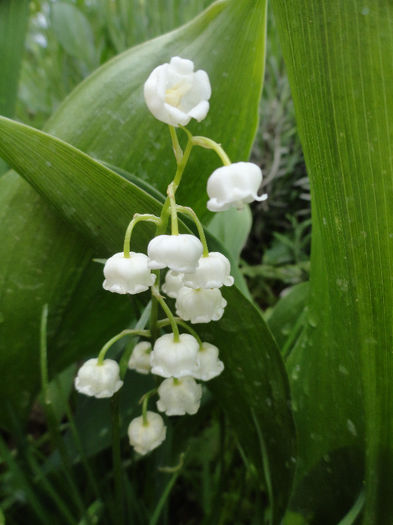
x,y
351,427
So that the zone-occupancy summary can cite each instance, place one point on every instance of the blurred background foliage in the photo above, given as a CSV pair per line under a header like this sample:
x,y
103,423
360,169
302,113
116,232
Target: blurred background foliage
x,y
65,42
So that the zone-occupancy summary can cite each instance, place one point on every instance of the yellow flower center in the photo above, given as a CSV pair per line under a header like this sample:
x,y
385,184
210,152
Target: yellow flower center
x,y
174,94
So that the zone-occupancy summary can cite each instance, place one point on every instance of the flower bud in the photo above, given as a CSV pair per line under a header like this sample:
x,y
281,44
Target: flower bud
x,y
180,253
179,396
200,306
128,274
174,93
140,358
213,271
172,358
233,186
209,364
145,437
173,283
98,380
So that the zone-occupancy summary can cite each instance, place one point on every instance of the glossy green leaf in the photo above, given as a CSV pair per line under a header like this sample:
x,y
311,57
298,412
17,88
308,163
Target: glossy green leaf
x,y
58,171
99,202
45,261
227,41
339,59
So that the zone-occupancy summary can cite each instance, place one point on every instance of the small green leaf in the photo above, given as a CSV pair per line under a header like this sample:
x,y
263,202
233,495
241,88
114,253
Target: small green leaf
x,y
232,227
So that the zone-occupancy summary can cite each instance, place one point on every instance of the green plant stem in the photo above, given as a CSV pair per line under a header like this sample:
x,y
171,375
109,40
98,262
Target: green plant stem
x,y
138,217
44,352
154,312
173,207
207,143
123,333
160,505
145,400
116,458
181,162
52,423
189,211
168,312
178,152
166,322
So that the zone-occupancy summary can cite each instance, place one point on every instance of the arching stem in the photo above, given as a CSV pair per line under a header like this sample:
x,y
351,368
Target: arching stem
x,y
123,333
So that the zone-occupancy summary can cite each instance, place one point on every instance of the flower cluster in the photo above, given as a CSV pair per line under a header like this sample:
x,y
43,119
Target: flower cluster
x,y
174,93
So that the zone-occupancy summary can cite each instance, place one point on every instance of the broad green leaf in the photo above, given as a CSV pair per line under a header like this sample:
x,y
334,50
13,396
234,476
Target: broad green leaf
x,y
45,261
339,59
227,41
253,390
55,169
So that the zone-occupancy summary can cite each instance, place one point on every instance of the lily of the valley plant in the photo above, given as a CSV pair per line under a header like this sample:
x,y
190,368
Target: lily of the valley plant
x,y
175,94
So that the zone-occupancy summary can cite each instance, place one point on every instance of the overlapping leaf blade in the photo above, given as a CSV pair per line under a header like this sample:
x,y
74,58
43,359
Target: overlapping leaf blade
x,y
339,58
39,272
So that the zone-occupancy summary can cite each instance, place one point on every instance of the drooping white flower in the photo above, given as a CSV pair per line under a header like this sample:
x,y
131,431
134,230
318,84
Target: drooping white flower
x,y
171,358
173,283
233,186
128,274
200,306
180,253
179,396
98,380
140,358
213,271
146,437
209,364
174,93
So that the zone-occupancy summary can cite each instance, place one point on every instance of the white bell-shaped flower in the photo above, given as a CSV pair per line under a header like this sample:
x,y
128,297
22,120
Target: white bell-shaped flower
x,y
209,364
140,358
145,437
180,253
200,306
98,380
171,358
128,274
179,396
233,186
213,271
173,283
175,94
